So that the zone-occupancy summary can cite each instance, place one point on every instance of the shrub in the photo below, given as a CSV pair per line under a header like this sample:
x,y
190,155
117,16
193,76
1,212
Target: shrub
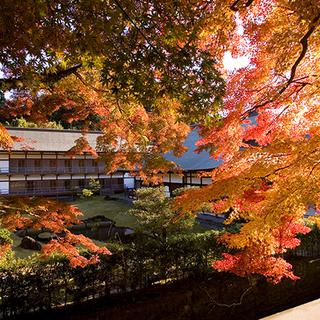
x,y
86,193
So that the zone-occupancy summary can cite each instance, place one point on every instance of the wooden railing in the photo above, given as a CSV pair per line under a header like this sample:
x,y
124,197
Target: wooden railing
x,y
44,170
57,191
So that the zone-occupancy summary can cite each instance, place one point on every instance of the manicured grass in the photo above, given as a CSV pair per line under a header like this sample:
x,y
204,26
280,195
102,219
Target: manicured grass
x,y
94,206
200,229
19,252
112,209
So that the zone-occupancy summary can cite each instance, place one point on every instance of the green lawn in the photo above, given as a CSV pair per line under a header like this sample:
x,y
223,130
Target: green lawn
x,y
19,252
97,205
199,229
114,210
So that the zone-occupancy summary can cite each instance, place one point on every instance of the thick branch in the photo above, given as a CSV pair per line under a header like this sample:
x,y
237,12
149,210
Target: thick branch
x,y
56,76
304,43
15,83
235,8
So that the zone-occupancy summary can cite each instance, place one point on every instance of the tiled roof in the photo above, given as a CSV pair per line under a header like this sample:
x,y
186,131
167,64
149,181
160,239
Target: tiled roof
x,y
194,161
49,139
191,160
63,140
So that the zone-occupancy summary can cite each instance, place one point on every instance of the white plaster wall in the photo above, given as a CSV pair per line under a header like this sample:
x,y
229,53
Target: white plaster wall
x,y
206,180
175,178
128,181
4,187
117,175
49,156
92,175
33,155
78,176
4,166
4,156
196,180
50,177
103,176
64,177
61,156
90,157
17,178
17,156
33,177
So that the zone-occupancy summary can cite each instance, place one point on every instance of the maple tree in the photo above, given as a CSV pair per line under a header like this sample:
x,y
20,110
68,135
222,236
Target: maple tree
x,y
140,66
150,68
273,184
125,62
37,213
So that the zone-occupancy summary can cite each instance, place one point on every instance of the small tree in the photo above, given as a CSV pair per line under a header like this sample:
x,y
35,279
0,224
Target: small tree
x,y
94,186
153,206
94,189
85,194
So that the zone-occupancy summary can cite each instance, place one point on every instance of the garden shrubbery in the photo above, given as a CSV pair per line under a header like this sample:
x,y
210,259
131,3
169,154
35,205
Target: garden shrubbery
x,y
46,284
51,283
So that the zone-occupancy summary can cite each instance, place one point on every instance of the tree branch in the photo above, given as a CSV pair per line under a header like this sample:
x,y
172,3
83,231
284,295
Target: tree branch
x,y
79,76
15,83
56,76
232,305
140,31
234,5
304,43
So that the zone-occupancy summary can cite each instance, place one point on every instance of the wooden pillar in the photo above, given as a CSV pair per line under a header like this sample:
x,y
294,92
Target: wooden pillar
x,y
25,171
9,170
56,173
25,162
85,168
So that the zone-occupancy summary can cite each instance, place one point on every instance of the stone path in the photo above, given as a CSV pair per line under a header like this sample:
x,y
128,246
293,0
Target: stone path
x,y
307,311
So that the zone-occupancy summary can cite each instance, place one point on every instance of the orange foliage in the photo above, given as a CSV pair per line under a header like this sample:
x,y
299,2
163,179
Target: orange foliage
x,y
149,69
81,146
65,246
273,184
37,213
4,247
